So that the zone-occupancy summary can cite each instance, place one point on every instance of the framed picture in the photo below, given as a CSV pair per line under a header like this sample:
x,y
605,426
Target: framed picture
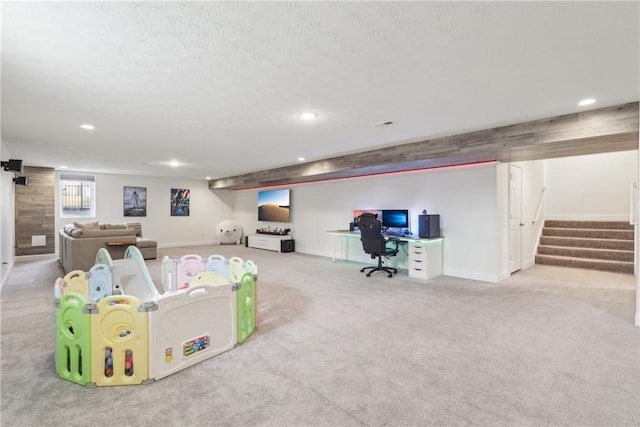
x,y
135,201
180,198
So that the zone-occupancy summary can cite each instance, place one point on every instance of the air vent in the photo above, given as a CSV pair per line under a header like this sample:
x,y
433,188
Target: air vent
x,y
375,125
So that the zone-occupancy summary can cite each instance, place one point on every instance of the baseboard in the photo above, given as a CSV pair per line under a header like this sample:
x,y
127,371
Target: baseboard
x,y
5,276
583,217
177,245
26,258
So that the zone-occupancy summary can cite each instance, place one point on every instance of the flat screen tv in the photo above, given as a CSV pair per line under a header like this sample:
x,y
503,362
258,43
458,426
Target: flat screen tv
x,y
273,205
395,218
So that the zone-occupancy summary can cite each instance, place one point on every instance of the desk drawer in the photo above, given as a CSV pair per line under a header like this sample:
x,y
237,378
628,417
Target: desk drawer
x,y
418,272
418,263
417,254
416,247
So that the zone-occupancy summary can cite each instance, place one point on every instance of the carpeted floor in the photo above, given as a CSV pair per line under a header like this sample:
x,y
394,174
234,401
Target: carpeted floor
x,y
549,346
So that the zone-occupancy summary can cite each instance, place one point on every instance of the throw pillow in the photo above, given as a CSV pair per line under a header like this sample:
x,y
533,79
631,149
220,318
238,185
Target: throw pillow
x,y
91,225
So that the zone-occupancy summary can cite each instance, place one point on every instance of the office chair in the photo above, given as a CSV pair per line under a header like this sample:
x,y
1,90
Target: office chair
x,y
374,242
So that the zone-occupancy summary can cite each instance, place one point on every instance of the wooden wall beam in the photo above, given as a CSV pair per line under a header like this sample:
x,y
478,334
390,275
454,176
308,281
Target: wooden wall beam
x,y
597,131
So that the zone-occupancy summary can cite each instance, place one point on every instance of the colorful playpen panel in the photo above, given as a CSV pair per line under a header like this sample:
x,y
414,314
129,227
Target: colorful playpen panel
x,y
120,341
246,307
191,326
73,339
112,326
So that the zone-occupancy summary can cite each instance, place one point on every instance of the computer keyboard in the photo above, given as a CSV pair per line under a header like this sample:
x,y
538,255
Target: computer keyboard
x,y
388,234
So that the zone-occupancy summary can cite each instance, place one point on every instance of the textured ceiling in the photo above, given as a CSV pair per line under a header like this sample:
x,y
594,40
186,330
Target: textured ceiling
x,y
219,86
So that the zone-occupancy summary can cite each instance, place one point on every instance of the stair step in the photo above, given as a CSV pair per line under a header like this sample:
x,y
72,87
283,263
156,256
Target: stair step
x,y
622,245
589,233
591,253
592,264
600,225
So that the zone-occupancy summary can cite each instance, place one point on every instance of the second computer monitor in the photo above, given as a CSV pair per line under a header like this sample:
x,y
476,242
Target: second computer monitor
x,y
395,218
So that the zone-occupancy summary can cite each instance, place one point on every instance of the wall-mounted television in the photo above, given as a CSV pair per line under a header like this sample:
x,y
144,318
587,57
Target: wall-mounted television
x,y
274,205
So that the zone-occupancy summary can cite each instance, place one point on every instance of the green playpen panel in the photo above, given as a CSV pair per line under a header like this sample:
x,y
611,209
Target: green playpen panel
x,y
246,307
73,340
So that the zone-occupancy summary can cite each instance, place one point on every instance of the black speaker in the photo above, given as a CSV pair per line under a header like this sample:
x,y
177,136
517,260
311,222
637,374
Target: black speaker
x,y
246,241
428,226
287,245
21,180
12,165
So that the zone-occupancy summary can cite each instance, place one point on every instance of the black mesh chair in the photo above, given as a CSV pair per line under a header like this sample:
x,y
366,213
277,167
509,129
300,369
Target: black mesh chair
x,y
374,243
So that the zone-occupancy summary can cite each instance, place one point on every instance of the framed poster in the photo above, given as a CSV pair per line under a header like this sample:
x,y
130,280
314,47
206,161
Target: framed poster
x,y
180,201
135,201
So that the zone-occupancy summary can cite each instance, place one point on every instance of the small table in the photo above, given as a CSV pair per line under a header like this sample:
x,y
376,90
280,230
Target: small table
x,y
117,249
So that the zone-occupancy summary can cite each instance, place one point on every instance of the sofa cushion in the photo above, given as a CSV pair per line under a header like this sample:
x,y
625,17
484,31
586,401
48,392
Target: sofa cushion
x,y
90,225
107,233
134,226
115,227
145,242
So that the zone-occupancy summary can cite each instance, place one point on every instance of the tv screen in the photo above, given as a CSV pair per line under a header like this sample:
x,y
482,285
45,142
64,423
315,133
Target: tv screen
x,y
273,205
395,218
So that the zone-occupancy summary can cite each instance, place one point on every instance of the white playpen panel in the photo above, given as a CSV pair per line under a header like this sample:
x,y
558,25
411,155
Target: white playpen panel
x,y
191,326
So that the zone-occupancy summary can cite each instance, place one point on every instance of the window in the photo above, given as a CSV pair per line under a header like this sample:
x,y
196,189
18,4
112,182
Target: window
x,y
77,196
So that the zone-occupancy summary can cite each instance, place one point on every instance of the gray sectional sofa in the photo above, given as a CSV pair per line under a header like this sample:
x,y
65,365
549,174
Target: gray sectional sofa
x,y
79,243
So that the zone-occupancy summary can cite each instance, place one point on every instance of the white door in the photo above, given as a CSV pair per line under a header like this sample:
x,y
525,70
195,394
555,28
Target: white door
x,y
515,218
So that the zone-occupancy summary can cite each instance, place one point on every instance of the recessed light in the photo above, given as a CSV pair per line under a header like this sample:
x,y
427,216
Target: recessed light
x,y
301,159
207,177
174,163
63,167
87,126
587,101
308,116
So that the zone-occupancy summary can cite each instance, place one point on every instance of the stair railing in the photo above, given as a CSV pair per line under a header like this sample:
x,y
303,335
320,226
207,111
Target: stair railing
x,y
633,208
536,218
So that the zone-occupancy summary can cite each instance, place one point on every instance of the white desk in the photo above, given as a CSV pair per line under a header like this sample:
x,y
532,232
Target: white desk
x,y
425,255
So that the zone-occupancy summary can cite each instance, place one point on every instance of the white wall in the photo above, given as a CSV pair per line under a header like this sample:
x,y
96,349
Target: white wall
x,y
465,198
592,187
207,208
637,248
7,217
502,221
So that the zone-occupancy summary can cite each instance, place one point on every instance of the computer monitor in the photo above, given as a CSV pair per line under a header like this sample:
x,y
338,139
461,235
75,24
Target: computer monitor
x,y
357,213
395,218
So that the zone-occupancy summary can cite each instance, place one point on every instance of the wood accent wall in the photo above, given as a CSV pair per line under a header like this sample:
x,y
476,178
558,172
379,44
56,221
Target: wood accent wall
x,y
35,211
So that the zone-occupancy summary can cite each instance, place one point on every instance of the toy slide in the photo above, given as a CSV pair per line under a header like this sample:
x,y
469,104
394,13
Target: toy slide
x,y
130,273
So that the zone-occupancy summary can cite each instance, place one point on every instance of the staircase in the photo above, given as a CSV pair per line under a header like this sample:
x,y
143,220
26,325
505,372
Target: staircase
x,y
596,245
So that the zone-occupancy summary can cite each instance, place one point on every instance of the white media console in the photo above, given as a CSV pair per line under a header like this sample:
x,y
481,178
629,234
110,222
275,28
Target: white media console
x,y
271,242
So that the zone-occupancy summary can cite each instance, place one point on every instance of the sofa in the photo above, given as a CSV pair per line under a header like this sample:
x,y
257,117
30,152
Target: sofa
x,y
79,243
